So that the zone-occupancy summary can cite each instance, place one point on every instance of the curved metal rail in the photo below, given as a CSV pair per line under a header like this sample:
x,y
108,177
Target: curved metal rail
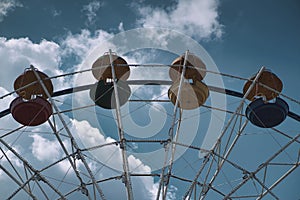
x,y
149,82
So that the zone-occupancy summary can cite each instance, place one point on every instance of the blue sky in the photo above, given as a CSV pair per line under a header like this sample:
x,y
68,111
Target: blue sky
x,y
63,36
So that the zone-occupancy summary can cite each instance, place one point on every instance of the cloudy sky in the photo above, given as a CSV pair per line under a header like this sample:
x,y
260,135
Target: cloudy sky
x,y
59,37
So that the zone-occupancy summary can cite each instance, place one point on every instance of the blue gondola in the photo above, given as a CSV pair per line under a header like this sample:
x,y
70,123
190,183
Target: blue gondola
x,y
267,114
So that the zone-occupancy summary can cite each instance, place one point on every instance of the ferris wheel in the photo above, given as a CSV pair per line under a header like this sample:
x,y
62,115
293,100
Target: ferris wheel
x,y
91,152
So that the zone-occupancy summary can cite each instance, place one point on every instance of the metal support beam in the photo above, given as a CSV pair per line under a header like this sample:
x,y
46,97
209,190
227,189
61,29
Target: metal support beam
x,y
220,165
65,151
74,144
121,132
171,135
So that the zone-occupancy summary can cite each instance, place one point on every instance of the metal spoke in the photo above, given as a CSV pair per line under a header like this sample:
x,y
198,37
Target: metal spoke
x,y
128,183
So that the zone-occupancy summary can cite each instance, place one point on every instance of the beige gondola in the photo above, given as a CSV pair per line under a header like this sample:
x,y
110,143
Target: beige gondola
x,y
195,68
101,68
192,95
194,92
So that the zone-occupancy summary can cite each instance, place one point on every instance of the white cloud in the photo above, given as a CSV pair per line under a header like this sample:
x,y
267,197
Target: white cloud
x,y
193,17
91,10
146,57
6,6
91,136
18,54
12,158
121,27
7,123
56,13
5,101
15,161
2,175
81,44
44,149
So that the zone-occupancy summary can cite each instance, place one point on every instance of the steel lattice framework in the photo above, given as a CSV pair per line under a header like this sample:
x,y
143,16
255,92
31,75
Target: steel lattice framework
x,y
219,163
